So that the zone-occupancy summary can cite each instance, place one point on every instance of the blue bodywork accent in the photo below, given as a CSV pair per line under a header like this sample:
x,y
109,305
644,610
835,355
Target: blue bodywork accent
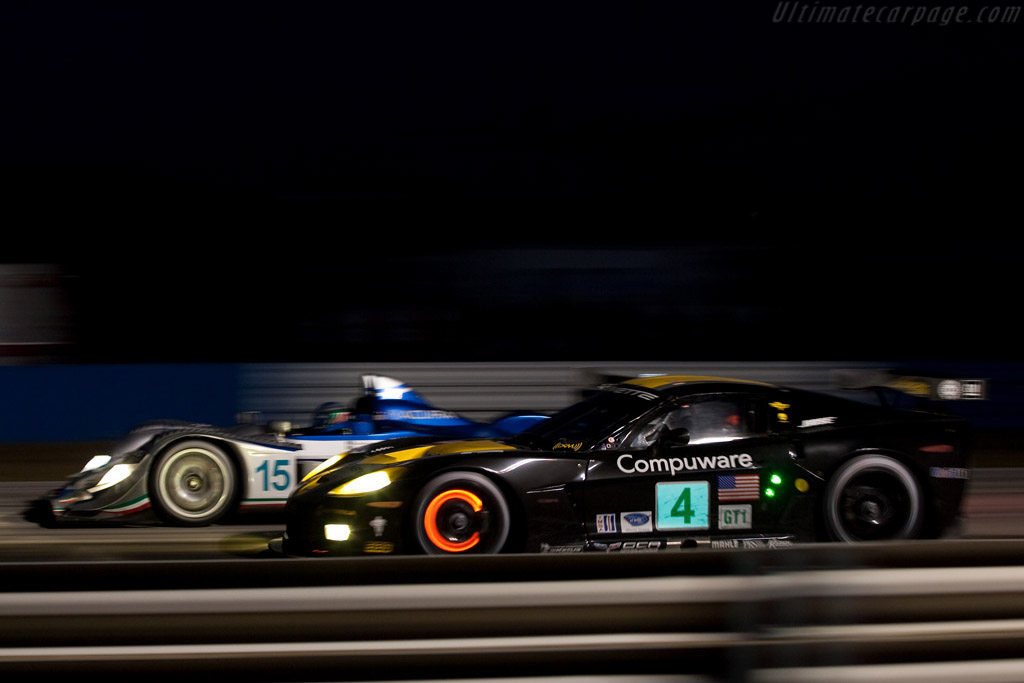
x,y
390,409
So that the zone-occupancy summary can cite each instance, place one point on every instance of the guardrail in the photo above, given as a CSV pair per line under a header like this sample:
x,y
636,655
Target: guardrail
x,y
822,612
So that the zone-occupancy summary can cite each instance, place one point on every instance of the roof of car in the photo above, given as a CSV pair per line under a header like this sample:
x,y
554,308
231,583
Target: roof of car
x,y
665,381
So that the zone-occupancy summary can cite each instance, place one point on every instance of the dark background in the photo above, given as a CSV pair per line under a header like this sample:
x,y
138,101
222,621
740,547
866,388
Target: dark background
x,y
254,181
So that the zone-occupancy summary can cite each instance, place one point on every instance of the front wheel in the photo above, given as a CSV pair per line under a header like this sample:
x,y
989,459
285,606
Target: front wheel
x,y
461,512
873,498
193,483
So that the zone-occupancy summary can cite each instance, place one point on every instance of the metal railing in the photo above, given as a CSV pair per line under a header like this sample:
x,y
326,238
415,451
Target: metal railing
x,y
823,612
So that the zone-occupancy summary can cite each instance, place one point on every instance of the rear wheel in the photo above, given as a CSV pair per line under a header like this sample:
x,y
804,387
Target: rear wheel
x,y
873,498
461,512
193,483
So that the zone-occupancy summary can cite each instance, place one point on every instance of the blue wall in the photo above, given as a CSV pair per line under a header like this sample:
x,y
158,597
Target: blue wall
x,y
102,402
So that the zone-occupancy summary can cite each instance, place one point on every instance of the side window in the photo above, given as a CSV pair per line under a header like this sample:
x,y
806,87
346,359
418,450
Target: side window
x,y
707,419
720,419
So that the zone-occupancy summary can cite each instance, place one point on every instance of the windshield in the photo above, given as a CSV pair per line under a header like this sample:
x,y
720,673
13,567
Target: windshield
x,y
582,425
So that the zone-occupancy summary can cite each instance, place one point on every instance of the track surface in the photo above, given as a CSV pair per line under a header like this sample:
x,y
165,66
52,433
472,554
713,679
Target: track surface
x,y
994,509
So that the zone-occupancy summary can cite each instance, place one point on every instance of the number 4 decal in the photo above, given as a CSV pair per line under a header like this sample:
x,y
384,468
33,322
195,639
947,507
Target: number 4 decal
x,y
682,505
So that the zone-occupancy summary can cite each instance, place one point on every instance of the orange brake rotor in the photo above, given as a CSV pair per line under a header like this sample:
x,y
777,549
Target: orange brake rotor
x,y
430,520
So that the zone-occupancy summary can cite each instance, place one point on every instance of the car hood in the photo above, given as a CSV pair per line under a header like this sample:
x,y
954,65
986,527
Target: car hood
x,y
399,454
404,454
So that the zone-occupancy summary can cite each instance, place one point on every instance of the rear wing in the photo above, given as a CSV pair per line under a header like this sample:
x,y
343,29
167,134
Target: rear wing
x,y
889,384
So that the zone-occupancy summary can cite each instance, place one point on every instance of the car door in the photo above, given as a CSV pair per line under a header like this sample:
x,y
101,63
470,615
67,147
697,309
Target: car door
x,y
696,468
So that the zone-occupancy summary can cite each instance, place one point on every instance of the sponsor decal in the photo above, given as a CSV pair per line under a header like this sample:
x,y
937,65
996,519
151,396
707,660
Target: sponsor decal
x,y
572,446
950,472
817,422
972,389
646,395
629,464
682,505
636,522
734,516
738,487
378,524
633,546
413,415
770,543
965,389
545,548
378,547
606,524
781,408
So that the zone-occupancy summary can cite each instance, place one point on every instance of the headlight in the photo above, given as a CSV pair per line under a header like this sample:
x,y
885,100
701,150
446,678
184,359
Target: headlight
x,y
115,475
374,481
95,462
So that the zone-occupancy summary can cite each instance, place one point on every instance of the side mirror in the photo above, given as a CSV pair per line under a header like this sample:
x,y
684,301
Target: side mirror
x,y
280,427
675,438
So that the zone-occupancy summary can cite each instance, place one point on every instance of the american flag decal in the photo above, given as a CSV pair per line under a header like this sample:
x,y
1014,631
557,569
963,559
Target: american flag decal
x,y
739,487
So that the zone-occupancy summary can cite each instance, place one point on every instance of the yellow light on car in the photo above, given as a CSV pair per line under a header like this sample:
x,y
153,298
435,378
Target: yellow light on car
x,y
802,485
368,483
329,462
337,532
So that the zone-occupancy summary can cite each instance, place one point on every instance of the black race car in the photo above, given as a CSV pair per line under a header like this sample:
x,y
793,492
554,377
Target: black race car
x,y
647,464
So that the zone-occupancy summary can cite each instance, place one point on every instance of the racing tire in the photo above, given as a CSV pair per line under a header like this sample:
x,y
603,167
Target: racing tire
x,y
873,498
461,513
193,483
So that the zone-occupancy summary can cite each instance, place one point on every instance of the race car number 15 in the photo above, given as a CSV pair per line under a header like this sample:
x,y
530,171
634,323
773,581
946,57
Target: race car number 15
x,y
682,505
278,478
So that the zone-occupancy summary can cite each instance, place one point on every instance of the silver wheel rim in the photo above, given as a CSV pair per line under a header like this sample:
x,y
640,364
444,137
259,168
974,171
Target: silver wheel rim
x,y
194,483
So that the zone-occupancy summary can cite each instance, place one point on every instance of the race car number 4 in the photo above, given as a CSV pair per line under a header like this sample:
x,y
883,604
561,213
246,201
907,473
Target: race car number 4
x,y
682,505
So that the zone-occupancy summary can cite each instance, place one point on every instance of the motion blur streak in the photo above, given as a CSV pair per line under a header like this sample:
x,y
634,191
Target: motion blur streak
x,y
944,582
745,621
1006,671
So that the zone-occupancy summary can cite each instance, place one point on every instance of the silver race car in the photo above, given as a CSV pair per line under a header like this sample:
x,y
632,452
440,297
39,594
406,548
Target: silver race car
x,y
189,474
